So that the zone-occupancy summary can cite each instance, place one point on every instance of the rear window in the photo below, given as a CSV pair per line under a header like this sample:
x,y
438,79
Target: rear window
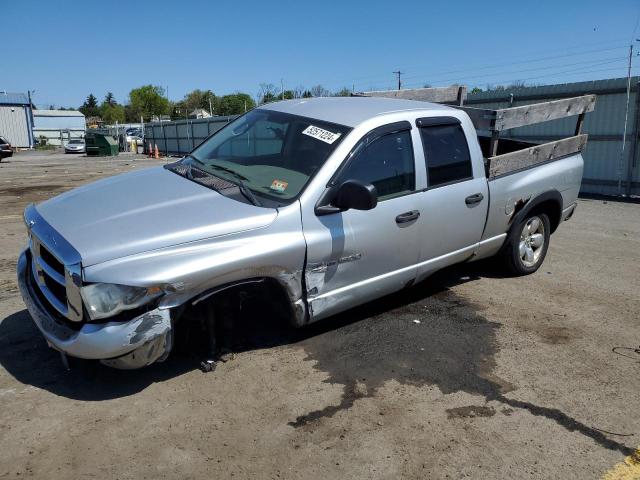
x,y
3,140
446,154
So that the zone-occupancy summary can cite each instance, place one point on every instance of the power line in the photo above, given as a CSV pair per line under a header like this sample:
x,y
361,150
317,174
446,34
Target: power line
x,y
594,63
556,74
540,59
364,79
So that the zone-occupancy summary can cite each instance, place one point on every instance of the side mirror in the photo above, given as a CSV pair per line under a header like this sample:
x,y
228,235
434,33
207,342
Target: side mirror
x,y
357,195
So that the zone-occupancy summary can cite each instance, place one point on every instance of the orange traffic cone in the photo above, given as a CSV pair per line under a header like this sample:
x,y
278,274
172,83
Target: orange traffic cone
x,y
157,155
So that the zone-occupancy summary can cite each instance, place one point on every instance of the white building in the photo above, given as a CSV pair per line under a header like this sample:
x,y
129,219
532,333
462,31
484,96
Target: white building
x,y
16,119
58,126
199,113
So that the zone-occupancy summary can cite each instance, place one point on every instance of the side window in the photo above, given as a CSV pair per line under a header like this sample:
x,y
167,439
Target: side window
x,y
387,163
446,153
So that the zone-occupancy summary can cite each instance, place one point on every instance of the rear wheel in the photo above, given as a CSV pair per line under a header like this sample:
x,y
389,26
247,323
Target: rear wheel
x,y
528,244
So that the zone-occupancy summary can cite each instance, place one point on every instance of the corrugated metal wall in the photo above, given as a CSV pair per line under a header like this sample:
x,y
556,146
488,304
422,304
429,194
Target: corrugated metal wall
x,y
605,168
58,129
182,136
14,124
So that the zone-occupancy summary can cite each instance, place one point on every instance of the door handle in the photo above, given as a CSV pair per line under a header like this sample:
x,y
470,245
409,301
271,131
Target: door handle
x,y
407,216
473,199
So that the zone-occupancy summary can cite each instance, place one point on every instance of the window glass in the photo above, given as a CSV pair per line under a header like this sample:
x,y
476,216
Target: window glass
x,y
387,163
446,153
264,138
273,154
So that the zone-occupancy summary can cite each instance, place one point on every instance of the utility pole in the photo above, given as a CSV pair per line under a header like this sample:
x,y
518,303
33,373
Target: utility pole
x,y
210,107
398,73
282,88
626,117
31,137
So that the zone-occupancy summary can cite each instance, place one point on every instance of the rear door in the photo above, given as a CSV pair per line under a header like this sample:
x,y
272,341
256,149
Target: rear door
x,y
455,203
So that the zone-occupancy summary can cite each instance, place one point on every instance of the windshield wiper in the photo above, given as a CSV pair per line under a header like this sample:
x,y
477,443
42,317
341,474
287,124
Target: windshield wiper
x,y
249,195
246,191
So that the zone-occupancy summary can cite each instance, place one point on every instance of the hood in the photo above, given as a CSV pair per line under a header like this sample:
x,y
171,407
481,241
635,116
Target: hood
x,y
145,210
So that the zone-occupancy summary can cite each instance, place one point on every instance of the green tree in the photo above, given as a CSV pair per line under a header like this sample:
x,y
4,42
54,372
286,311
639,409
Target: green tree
x,y
109,99
476,90
112,113
288,95
235,104
147,101
200,99
90,107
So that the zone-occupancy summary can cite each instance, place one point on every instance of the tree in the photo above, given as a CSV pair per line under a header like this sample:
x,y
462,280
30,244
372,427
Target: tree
x,y
90,107
306,94
148,101
195,99
288,95
298,92
320,91
344,92
109,99
235,104
112,113
200,99
267,93
476,90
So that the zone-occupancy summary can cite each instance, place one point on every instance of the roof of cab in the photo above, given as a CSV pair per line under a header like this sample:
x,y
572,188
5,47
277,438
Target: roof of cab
x,y
349,111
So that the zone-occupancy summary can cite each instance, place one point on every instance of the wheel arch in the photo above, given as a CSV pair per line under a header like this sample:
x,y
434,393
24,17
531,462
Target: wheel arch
x,y
278,291
549,202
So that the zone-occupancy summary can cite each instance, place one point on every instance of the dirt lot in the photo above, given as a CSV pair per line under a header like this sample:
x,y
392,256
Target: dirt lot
x,y
502,377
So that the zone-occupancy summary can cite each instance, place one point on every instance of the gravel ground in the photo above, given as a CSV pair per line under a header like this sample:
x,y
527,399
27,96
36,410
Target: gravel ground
x,y
532,377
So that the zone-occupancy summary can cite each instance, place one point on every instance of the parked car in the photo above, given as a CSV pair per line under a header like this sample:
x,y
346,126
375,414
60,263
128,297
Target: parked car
x,y
134,134
317,205
75,146
5,148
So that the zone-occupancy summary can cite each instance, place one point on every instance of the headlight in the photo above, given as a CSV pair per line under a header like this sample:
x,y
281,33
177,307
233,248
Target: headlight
x,y
107,299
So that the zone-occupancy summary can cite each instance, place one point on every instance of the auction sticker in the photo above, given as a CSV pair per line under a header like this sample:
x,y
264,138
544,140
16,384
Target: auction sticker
x,y
279,185
321,134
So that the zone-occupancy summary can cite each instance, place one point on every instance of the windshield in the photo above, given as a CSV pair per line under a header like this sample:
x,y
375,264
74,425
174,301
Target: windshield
x,y
271,153
74,142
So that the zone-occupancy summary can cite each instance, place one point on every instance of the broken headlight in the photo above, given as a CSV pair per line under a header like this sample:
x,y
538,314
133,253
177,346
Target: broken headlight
x,y
105,300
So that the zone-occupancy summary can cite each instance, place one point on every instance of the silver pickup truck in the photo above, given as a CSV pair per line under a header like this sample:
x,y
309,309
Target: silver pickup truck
x,y
320,204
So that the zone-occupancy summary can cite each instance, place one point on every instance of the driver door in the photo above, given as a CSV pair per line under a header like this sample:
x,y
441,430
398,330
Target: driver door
x,y
355,256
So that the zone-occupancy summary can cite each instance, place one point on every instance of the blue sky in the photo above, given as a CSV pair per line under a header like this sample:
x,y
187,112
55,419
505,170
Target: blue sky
x,y
66,49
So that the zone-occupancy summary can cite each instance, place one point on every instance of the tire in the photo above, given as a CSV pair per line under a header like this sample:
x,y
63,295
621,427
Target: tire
x,y
527,245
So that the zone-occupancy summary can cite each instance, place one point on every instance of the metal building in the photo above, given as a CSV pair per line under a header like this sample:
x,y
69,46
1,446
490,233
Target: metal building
x,y
16,119
58,126
607,169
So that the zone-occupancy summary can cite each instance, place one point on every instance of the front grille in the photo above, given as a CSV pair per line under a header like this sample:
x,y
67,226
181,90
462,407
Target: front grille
x,y
50,260
59,291
55,281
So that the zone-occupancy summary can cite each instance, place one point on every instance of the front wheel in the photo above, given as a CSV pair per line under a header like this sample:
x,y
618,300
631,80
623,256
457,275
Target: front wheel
x,y
528,244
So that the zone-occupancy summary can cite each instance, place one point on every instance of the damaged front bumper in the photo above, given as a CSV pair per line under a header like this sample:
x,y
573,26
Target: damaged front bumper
x,y
132,344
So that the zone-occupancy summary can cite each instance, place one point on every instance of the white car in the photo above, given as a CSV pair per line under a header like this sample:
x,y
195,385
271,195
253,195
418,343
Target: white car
x,y
75,146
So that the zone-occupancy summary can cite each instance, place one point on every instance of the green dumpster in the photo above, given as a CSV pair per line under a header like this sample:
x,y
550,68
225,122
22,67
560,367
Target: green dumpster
x,y
100,145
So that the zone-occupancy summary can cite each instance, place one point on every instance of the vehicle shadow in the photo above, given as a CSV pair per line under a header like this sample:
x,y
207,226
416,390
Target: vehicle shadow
x,y
423,335
25,355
